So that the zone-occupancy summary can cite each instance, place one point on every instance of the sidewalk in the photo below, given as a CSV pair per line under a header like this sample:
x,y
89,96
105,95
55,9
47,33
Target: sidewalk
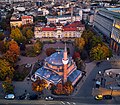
x,y
88,69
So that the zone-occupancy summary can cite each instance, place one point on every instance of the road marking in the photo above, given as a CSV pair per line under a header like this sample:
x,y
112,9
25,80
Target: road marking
x,y
62,102
74,103
68,103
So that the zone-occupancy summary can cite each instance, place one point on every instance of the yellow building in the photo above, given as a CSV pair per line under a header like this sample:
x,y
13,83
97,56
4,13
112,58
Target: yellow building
x,y
16,23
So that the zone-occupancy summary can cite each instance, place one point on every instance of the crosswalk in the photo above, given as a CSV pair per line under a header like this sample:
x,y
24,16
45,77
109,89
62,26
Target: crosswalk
x,y
68,103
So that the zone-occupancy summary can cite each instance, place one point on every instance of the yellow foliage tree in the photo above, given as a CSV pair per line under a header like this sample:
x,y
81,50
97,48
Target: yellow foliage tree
x,y
5,69
80,43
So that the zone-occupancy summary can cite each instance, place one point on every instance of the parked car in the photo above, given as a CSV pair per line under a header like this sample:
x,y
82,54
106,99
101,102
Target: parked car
x,y
99,97
33,97
108,97
22,97
10,96
49,98
28,65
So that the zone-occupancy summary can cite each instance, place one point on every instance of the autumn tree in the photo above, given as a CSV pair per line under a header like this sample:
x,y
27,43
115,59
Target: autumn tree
x,y
50,51
8,86
95,40
63,89
17,35
13,52
76,55
37,47
59,89
13,47
39,85
29,34
5,69
80,43
100,52
68,88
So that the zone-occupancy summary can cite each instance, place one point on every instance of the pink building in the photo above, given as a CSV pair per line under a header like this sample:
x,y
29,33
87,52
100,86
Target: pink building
x,y
27,20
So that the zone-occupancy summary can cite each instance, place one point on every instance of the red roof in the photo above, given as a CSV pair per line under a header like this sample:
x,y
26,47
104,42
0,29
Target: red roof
x,y
75,24
26,17
69,29
48,29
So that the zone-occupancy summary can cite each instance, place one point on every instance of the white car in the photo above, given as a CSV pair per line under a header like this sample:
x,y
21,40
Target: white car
x,y
49,98
28,65
10,96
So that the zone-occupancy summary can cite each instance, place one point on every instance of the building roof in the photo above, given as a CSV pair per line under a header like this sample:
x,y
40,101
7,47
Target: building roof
x,y
48,75
72,77
55,59
71,27
111,13
26,17
48,29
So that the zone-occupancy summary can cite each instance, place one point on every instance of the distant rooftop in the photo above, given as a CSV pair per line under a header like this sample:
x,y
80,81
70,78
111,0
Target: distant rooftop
x,y
113,14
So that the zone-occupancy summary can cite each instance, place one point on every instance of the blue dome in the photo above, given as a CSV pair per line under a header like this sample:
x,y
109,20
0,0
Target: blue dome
x,y
55,59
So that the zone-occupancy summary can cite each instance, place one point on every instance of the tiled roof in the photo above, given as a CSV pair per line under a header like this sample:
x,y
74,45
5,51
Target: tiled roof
x,y
75,24
69,29
26,17
48,29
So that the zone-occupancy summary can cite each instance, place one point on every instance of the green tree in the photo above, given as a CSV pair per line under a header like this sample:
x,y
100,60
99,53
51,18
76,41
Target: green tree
x,y
1,36
4,45
5,69
100,52
7,85
37,47
95,40
87,35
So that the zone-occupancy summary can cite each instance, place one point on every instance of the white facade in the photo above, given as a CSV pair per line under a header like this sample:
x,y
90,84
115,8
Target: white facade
x,y
62,19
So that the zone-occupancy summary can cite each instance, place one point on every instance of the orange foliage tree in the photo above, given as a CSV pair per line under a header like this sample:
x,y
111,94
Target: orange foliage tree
x,y
13,47
13,52
39,85
66,88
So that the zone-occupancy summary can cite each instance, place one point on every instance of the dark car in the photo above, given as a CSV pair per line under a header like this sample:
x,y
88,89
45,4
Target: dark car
x,y
108,97
33,97
49,98
22,97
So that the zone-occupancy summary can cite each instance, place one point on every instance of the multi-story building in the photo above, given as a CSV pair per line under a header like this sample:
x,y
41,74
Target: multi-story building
x,y
115,35
27,20
62,19
73,30
19,22
16,23
108,24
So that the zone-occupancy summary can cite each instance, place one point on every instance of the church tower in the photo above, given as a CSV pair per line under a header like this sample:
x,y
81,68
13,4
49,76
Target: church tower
x,y
65,62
